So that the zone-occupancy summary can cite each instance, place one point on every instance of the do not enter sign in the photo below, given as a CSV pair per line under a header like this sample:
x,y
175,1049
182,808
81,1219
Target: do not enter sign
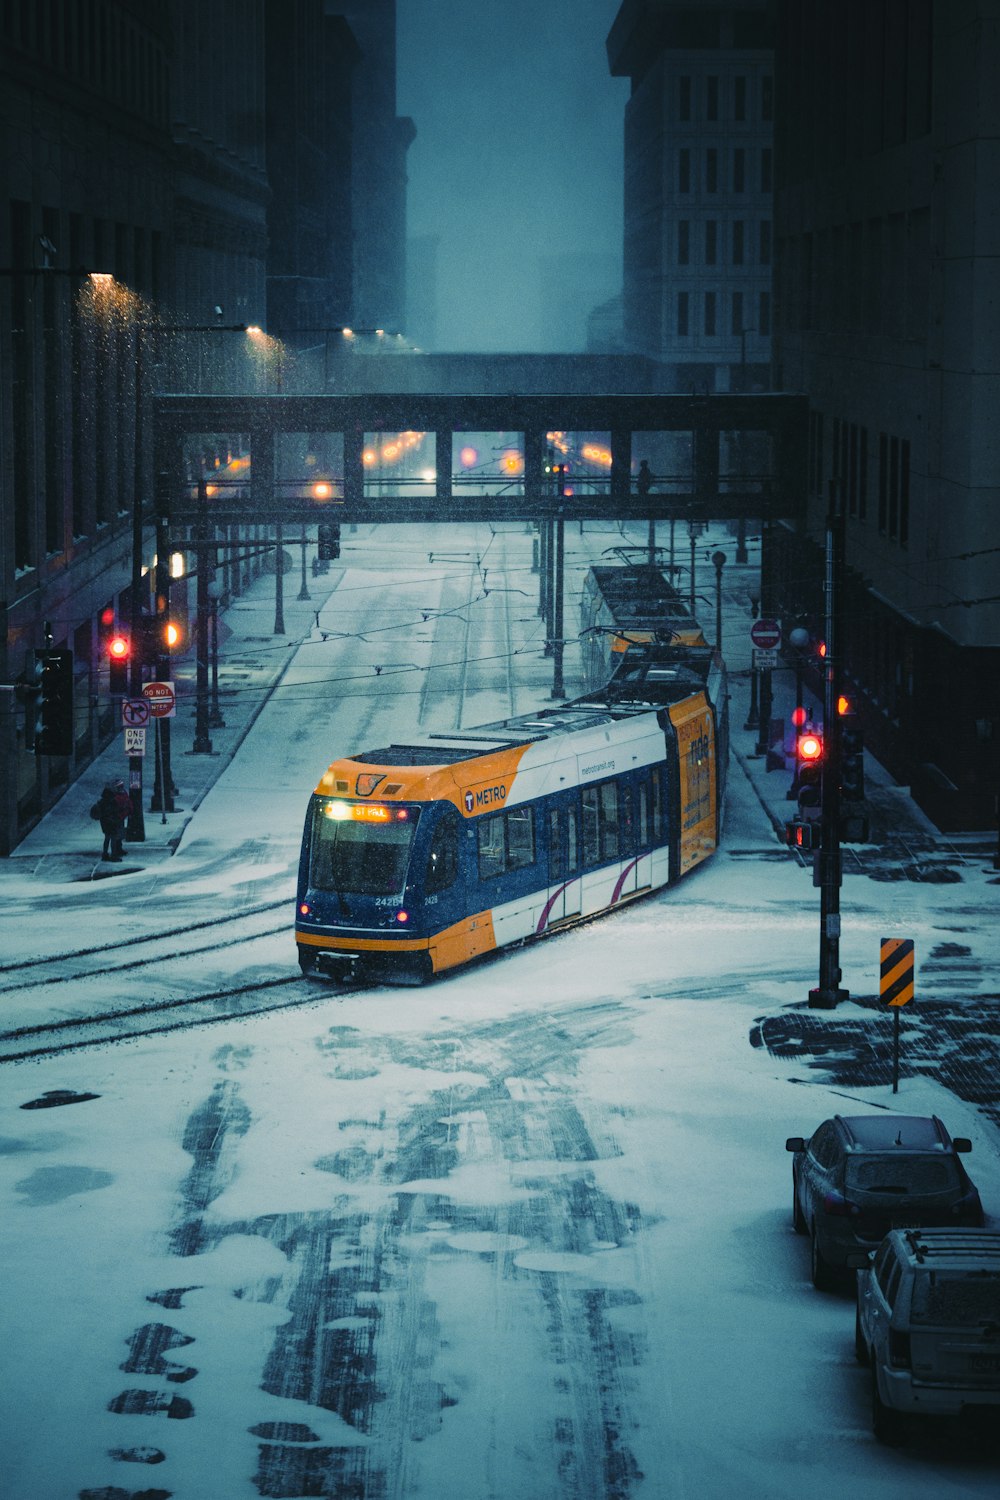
x,y
161,699
765,634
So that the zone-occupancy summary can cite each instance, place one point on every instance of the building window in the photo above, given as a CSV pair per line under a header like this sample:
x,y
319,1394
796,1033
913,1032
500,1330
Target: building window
x,y
767,98
711,170
737,242
711,98
683,325
739,98
764,315
683,241
684,99
766,170
765,242
894,487
736,326
711,242
739,170
710,314
863,474
684,170
883,481
904,492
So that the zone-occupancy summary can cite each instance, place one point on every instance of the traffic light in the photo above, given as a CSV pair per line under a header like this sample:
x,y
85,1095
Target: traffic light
x,y
852,753
119,653
54,720
803,836
328,541
809,767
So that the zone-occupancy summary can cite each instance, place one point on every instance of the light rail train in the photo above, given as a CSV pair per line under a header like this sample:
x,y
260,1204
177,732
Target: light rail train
x,y
418,858
627,605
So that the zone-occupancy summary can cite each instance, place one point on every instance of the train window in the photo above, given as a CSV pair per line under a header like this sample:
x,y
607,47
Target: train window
x,y
442,862
520,838
609,819
557,853
591,824
644,809
491,860
658,828
572,840
358,856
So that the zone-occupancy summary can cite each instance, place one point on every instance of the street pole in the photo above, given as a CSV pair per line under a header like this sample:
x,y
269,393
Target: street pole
x,y
279,582
304,590
202,744
215,718
136,830
718,562
558,689
163,787
827,993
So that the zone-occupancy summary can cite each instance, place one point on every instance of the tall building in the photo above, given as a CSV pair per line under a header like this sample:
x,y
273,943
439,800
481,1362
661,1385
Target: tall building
x,y
164,146
887,183
698,187
308,124
381,141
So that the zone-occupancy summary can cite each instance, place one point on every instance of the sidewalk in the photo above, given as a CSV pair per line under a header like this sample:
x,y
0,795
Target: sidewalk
x,y
66,844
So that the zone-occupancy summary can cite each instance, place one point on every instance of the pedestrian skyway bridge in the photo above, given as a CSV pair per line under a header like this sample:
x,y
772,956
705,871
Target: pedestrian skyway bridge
x,y
299,459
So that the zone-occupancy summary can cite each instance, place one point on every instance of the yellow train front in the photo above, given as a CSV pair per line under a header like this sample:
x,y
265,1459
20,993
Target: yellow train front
x,y
419,858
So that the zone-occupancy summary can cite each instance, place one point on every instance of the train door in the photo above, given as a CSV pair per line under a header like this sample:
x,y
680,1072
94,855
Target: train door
x,y
564,864
628,881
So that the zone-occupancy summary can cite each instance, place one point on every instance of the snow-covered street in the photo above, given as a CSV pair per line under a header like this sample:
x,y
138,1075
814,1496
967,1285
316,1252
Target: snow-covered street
x,y
524,1232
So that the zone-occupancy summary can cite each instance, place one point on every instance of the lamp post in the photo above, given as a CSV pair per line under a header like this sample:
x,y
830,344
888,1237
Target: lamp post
x,y
304,590
163,793
215,718
741,536
718,563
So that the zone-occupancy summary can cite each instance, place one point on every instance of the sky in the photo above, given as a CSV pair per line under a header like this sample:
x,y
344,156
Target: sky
x,y
530,1223
518,155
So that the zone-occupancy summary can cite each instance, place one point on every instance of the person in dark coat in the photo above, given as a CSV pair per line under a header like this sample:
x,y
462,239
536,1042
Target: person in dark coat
x,y
115,807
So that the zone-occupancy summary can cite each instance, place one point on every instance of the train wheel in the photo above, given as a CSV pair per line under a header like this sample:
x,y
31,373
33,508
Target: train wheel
x,y
307,960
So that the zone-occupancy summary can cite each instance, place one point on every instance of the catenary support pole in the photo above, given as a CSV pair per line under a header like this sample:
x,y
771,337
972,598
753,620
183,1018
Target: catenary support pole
x,y
827,993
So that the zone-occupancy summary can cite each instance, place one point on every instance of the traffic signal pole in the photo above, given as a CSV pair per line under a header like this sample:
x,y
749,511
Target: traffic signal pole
x,y
827,872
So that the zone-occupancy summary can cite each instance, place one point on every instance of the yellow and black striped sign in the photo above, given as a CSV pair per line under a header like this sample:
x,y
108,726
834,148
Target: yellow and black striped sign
x,y
896,977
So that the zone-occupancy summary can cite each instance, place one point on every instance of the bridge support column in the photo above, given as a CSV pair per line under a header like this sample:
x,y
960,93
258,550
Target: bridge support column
x,y
558,690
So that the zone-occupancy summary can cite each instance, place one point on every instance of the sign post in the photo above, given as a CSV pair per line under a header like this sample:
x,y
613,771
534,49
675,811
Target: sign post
x,y
896,988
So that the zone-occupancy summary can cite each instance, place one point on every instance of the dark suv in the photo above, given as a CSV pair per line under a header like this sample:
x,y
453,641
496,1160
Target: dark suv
x,y
858,1177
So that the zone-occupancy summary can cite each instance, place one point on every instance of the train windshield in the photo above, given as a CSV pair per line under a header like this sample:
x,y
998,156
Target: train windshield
x,y
361,847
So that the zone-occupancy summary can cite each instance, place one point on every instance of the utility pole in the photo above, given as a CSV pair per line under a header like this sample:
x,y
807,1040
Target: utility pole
x,y
827,872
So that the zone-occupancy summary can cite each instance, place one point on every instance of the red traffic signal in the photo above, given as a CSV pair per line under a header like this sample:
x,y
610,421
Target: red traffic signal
x,y
119,652
809,747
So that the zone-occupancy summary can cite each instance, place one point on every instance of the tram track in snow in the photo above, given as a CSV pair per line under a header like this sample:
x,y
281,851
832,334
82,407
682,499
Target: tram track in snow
x,y
180,1013
149,941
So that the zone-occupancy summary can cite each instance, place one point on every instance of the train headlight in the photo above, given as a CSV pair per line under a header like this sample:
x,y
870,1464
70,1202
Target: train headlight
x,y
337,810
402,916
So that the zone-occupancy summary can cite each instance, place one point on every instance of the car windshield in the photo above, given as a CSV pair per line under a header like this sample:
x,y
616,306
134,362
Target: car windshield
x,y
908,1174
964,1298
363,848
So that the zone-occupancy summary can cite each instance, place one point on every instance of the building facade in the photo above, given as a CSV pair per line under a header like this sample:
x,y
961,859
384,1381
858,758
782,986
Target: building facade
x,y
888,317
135,144
698,245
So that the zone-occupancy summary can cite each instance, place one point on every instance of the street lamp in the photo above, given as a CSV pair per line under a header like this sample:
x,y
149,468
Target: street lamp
x,y
150,327
718,563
